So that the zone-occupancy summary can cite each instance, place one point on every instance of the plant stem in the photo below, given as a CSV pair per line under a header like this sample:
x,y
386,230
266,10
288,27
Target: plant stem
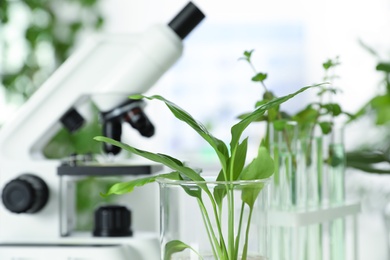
x,y
255,71
208,229
230,197
245,249
387,82
222,246
230,194
214,240
237,244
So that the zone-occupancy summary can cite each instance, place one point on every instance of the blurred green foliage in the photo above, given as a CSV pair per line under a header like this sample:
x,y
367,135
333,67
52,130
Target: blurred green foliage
x,y
37,36
39,27
321,111
88,199
374,157
64,143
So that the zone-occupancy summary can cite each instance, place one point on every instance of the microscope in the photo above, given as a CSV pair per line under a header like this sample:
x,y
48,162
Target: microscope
x,y
37,194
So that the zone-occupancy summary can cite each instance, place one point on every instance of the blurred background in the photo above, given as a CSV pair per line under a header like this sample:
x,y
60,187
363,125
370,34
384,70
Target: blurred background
x,y
291,40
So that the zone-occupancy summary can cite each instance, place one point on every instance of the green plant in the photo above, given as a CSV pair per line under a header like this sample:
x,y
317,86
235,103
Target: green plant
x,y
272,114
286,131
323,111
233,165
315,113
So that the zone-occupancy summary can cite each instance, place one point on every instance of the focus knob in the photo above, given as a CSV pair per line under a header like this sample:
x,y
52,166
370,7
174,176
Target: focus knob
x,y
112,221
25,194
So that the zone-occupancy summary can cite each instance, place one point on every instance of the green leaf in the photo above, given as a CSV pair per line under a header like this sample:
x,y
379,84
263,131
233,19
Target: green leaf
x,y
380,101
193,191
307,115
159,158
330,63
247,56
236,164
326,127
268,95
367,156
260,102
332,109
263,118
383,66
175,246
136,96
219,191
326,65
238,129
218,145
382,115
221,176
260,168
250,193
376,169
273,114
238,161
279,125
127,187
259,77
381,106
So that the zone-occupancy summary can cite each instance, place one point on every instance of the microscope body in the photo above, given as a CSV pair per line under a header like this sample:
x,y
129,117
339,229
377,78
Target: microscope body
x,y
34,221
91,73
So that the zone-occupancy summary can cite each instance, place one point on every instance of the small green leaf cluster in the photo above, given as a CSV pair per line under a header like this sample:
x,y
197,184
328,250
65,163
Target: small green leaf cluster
x,y
232,158
312,113
319,112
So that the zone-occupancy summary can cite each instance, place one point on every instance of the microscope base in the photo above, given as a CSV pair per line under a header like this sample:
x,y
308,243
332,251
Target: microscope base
x,y
143,247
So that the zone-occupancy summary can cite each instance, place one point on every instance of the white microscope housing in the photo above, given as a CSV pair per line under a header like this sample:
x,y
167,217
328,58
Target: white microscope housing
x,y
106,70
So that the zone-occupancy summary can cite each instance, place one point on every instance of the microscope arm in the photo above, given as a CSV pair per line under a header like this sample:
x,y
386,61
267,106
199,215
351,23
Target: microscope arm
x,y
106,70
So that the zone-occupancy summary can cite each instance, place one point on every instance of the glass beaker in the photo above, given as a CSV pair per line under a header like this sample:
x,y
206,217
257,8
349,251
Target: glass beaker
x,y
214,219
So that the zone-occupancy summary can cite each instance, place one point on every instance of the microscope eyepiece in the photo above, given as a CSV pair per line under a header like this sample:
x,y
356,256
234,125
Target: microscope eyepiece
x,y
131,111
185,21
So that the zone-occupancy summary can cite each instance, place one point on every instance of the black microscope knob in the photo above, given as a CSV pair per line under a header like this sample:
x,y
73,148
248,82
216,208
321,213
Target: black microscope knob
x,y
112,221
25,194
